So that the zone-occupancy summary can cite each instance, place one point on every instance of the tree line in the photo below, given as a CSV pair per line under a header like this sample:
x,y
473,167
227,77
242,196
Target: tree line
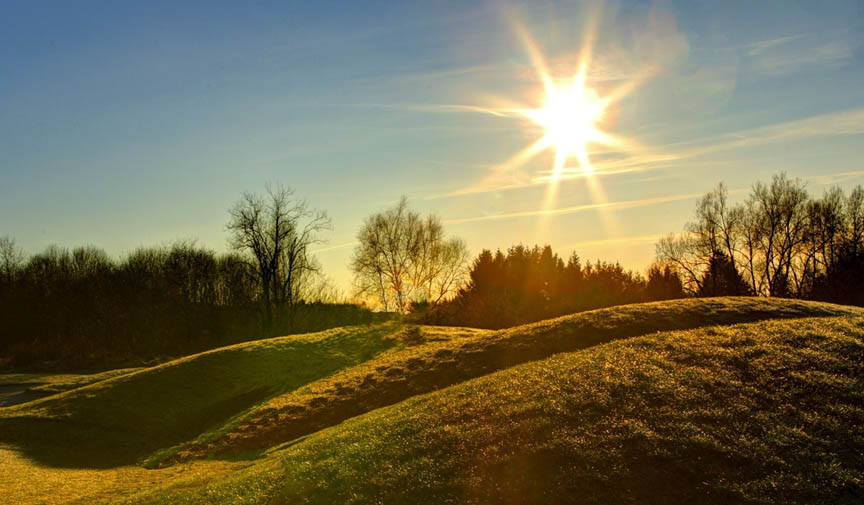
x,y
779,241
406,264
529,284
79,308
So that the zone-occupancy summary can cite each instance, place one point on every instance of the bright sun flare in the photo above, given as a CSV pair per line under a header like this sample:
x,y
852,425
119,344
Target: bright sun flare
x,y
570,114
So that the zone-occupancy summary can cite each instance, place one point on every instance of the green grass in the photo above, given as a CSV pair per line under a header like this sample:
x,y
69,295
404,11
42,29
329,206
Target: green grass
x,y
446,356
767,412
122,420
50,384
596,407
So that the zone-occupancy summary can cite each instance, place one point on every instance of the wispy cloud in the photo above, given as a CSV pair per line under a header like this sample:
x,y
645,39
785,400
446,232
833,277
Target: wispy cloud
x,y
790,54
841,123
826,179
494,111
641,239
335,247
628,204
760,47
506,182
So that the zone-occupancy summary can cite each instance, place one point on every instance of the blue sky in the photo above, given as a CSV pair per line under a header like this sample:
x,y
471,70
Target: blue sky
x,y
137,123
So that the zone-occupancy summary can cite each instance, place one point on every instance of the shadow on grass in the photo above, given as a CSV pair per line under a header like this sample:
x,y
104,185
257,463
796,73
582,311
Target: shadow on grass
x,y
64,443
15,394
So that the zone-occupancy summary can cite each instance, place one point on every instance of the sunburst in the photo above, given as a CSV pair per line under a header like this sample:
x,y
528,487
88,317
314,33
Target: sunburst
x,y
570,115
570,111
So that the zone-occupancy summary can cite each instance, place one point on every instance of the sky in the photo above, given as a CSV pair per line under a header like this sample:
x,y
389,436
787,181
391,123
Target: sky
x,y
128,124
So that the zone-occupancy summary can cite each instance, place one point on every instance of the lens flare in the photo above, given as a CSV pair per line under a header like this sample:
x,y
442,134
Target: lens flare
x,y
570,114
571,109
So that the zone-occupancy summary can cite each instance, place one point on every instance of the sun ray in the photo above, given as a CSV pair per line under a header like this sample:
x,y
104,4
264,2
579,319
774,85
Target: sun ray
x,y
538,62
509,167
572,114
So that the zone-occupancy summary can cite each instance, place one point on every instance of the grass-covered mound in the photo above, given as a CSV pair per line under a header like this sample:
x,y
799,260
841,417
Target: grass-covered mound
x,y
83,445
761,413
440,362
123,419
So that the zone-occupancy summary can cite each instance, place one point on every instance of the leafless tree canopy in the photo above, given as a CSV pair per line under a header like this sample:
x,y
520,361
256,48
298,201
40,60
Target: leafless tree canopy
x,y
403,258
11,258
779,241
275,230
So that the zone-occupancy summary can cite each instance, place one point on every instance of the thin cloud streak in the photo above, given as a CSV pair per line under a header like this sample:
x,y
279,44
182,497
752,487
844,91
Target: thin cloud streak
x,y
842,123
827,179
613,241
629,204
334,247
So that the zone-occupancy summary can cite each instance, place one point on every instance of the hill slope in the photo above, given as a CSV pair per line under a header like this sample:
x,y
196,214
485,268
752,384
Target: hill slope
x,y
767,412
121,420
436,363
240,401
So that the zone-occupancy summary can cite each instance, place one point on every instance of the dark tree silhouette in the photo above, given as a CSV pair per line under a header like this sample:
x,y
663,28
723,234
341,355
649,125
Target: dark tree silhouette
x,y
529,284
778,242
275,231
723,279
664,283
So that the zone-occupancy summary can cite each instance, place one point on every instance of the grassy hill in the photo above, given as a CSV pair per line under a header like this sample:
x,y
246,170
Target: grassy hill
x,y
120,420
565,410
767,412
442,357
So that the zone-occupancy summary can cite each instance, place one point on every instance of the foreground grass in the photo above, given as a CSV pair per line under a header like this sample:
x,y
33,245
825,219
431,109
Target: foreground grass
x,y
86,445
25,482
761,413
444,357
121,420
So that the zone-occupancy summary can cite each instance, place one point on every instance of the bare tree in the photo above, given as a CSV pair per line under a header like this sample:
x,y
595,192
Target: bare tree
x,y
710,238
276,230
782,221
824,236
11,259
682,251
855,220
321,289
750,231
402,258
446,270
779,240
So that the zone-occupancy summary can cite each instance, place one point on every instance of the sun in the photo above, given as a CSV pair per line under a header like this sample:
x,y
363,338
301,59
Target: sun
x,y
570,114
572,109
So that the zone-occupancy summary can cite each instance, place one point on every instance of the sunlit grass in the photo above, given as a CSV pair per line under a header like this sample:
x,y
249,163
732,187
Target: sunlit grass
x,y
493,422
446,356
766,412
